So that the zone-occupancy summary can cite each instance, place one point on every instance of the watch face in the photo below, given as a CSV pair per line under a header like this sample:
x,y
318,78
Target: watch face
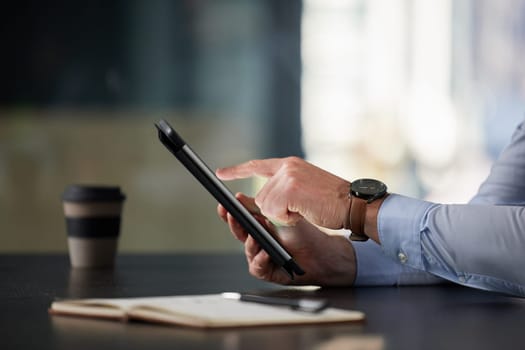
x,y
368,188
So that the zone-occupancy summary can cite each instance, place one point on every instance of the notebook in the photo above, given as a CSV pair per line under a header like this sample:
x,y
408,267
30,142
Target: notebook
x,y
202,311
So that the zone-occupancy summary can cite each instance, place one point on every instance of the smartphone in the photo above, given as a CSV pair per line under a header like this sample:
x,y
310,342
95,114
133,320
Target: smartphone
x,y
196,166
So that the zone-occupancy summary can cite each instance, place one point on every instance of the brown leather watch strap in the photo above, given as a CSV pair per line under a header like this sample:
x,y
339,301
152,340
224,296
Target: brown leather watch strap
x,y
357,219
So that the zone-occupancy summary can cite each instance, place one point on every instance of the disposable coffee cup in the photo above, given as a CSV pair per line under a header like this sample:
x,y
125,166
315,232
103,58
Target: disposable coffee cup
x,y
93,217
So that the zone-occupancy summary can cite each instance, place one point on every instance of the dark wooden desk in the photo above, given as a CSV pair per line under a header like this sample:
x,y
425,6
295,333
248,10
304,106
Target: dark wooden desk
x,y
439,317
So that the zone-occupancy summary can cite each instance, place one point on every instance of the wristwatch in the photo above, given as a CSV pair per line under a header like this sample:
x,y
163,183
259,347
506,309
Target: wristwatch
x,y
362,192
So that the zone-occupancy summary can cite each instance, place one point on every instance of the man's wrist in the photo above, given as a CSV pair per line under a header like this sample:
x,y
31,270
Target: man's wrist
x,y
358,208
372,211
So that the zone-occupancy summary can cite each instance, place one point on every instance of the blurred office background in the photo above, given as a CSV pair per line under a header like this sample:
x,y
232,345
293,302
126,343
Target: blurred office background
x,y
423,94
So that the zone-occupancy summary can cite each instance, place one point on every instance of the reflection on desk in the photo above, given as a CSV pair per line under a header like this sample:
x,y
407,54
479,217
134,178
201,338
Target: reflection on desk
x,y
70,332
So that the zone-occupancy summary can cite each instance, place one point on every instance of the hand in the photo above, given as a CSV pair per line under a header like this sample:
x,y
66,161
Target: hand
x,y
328,260
296,189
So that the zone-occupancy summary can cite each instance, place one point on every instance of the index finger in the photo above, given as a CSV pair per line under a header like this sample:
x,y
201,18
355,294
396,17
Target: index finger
x,y
259,167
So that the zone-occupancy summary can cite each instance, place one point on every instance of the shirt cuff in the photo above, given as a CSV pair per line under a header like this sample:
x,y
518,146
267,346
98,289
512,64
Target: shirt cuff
x,y
399,223
373,267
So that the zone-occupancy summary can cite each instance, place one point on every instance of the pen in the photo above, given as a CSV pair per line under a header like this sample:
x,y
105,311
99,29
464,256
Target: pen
x,y
300,304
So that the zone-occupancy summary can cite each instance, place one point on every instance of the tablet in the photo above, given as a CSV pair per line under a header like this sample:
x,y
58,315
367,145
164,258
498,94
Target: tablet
x,y
196,166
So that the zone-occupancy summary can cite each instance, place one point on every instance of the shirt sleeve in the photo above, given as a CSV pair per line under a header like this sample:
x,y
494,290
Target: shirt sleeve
x,y
479,244
505,184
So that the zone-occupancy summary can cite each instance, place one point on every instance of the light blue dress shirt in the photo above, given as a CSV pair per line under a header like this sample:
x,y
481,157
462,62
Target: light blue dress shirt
x,y
480,244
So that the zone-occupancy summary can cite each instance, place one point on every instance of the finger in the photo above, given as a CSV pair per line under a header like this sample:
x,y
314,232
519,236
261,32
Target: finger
x,y
259,167
271,209
248,202
236,229
251,248
221,211
274,205
261,266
